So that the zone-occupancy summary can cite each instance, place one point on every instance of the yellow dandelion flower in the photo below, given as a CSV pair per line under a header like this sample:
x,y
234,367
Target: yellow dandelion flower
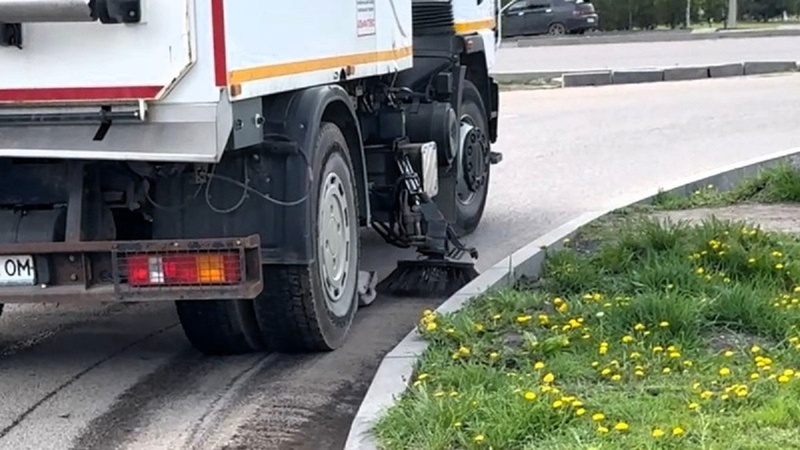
x,y
544,319
705,395
755,349
675,355
635,355
478,327
464,350
558,404
657,433
457,425
694,405
688,363
549,378
438,394
539,365
779,266
497,317
577,404
700,270
724,396
494,355
696,386
724,371
602,430
524,319
562,308
580,411
639,373
627,339
479,438
621,426
666,370
616,377
663,324
788,372
605,371
530,395
595,363
751,261
597,417
728,354
678,431
639,327
430,326
783,379
422,376
658,349
754,376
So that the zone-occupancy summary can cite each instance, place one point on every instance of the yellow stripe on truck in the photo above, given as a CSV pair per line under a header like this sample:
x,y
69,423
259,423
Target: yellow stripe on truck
x,y
475,25
313,65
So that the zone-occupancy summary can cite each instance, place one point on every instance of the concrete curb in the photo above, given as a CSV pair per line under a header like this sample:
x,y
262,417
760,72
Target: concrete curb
x,y
643,36
601,77
397,367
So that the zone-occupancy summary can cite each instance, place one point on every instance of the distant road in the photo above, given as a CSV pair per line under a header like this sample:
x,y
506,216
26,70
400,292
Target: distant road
x,y
638,55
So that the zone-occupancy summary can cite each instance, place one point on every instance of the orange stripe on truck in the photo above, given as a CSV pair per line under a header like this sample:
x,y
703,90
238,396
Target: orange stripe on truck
x,y
475,25
313,65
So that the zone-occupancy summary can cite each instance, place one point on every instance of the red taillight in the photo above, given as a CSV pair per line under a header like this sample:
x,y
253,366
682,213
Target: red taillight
x,y
183,269
138,270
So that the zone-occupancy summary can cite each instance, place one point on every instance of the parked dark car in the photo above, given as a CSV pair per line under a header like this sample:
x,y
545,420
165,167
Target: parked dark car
x,y
555,17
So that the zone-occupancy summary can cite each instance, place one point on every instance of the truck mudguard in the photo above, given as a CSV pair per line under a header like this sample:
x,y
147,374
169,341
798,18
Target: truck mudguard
x,y
266,188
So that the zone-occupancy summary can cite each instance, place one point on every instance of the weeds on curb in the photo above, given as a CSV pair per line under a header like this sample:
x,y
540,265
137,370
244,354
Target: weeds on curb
x,y
663,336
775,185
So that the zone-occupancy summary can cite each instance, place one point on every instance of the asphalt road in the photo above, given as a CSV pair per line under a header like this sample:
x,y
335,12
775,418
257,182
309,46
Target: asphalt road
x,y
125,377
639,55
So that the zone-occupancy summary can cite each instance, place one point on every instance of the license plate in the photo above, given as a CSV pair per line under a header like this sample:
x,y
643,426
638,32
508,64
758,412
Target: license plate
x,y
590,20
17,271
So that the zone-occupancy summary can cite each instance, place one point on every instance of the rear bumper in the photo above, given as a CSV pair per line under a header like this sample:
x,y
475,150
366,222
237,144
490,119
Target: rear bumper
x,y
583,23
90,272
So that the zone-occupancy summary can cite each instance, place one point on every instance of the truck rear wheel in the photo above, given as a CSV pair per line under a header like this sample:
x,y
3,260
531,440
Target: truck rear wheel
x,y
472,190
220,327
311,308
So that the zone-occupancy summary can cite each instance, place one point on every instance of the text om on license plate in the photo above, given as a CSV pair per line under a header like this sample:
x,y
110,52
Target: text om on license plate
x,y
17,271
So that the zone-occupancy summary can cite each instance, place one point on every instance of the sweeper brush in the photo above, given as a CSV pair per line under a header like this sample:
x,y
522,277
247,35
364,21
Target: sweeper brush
x,y
428,278
420,224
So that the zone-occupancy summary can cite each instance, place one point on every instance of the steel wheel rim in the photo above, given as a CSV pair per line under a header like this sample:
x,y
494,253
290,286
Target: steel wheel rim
x,y
557,29
464,195
335,243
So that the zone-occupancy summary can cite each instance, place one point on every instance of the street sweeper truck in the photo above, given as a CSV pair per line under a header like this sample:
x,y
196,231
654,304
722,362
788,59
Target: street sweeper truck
x,y
226,155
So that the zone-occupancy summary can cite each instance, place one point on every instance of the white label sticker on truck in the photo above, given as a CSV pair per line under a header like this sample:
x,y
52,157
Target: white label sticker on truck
x,y
17,271
365,17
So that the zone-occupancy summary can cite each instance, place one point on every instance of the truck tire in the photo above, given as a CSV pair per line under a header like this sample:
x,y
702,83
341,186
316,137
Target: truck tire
x,y
220,327
311,308
471,204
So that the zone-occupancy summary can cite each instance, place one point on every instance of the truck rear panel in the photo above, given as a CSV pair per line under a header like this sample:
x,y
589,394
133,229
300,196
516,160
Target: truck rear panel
x,y
169,87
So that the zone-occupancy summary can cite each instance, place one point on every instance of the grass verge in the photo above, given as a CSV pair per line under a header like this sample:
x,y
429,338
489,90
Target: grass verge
x,y
653,335
774,185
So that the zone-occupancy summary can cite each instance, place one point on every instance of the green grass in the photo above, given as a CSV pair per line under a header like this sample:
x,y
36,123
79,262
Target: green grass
x,y
778,184
689,331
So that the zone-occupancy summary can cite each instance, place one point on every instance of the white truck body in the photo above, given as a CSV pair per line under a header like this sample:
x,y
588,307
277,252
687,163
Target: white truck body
x,y
182,70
